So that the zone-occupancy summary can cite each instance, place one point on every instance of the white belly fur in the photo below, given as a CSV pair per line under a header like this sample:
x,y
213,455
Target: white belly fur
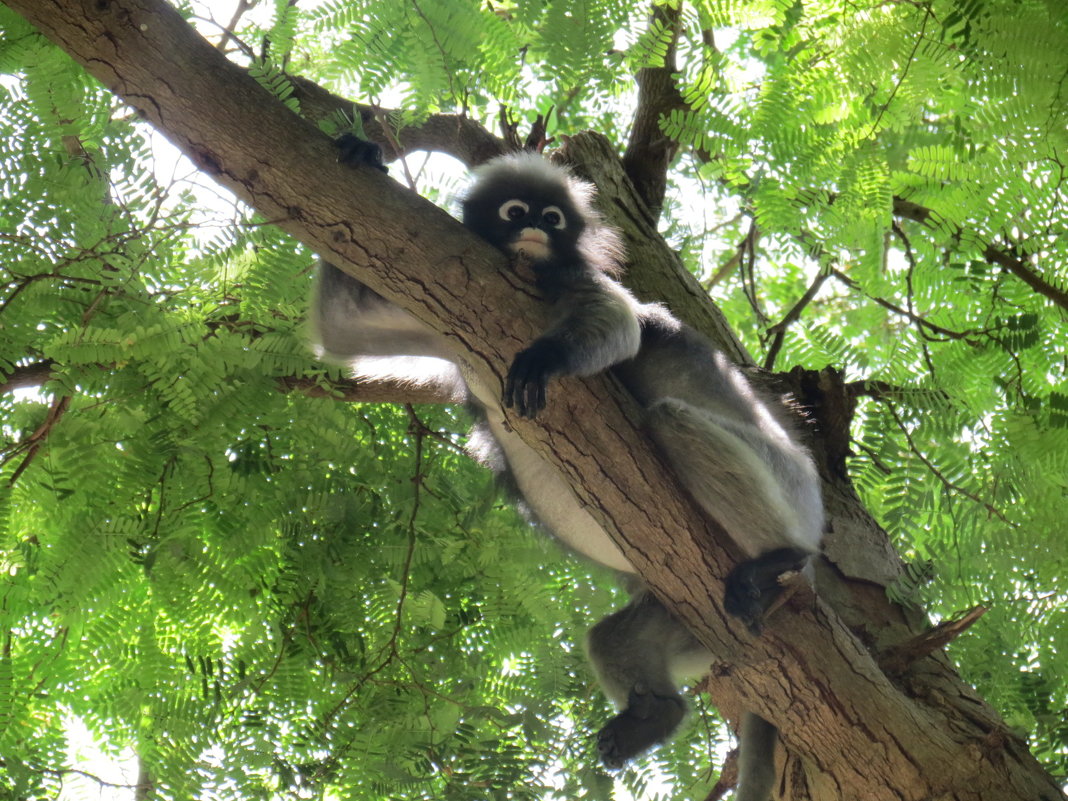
x,y
544,490
552,500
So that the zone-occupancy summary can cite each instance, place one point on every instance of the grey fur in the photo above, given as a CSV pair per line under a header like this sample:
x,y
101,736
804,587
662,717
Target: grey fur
x,y
730,449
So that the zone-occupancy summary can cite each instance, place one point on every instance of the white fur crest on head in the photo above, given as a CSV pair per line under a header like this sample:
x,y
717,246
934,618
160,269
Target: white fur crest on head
x,y
524,166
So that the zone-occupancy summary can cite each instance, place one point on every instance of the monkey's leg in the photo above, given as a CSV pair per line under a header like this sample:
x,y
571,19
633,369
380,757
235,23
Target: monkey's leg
x,y
639,653
747,481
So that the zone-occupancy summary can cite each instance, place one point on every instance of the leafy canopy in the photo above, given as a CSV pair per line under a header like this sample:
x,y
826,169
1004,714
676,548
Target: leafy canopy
x,y
263,593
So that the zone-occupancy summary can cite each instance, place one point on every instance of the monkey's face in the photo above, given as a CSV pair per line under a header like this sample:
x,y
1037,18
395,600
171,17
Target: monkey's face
x,y
539,221
531,230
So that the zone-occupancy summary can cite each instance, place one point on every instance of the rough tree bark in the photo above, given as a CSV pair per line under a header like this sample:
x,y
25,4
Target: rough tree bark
x,y
850,729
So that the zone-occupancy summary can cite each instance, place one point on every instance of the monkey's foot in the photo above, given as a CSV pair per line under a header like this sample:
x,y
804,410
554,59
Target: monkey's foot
x,y
754,584
648,720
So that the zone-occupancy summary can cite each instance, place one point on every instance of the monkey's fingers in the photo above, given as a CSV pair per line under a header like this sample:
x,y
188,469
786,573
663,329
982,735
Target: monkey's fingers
x,y
513,388
529,376
525,385
527,395
534,397
355,152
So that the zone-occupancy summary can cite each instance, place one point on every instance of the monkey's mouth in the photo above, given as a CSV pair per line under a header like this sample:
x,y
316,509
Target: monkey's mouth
x,y
532,244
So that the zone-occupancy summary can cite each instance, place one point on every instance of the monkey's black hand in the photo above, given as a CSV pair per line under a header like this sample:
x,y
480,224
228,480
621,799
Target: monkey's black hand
x,y
529,375
356,152
754,584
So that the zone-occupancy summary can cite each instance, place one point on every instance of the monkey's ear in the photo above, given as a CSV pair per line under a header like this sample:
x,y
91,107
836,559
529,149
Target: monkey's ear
x,y
356,152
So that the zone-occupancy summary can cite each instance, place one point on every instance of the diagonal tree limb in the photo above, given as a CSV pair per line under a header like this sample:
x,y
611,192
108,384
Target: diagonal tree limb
x,y
26,376
1006,258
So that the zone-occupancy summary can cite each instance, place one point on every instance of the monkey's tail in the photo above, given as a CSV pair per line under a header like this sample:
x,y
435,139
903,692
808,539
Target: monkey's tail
x,y
756,759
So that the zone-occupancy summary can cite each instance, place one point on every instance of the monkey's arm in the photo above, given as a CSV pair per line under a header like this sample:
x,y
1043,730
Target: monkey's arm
x,y
350,320
353,325
595,325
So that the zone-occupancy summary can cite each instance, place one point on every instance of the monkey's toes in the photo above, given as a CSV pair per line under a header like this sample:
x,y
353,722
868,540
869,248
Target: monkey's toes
x,y
648,720
622,739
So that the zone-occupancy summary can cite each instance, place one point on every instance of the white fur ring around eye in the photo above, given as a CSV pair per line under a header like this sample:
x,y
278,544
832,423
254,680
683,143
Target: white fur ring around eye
x,y
512,210
554,217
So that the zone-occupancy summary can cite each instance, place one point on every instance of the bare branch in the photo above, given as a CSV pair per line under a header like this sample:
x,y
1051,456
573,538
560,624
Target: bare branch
x,y
914,318
949,485
353,390
360,390
778,331
460,137
228,32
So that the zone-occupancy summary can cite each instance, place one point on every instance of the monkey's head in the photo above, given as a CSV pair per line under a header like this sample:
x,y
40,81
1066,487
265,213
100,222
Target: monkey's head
x,y
522,203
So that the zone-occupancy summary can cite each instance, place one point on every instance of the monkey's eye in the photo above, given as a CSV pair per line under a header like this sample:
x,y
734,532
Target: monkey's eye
x,y
512,210
554,217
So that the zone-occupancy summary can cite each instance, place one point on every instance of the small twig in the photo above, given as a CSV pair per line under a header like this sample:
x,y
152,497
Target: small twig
x,y
880,465
938,473
61,772
445,66
728,777
726,268
915,318
33,443
904,72
747,250
883,390
792,582
897,660
778,331
387,130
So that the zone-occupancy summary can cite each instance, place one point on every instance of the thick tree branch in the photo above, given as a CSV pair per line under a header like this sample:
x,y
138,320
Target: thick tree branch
x,y
460,137
649,151
859,734
26,376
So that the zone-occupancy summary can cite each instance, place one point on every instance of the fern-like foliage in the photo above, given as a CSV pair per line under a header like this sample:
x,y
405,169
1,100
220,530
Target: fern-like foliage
x,y
263,594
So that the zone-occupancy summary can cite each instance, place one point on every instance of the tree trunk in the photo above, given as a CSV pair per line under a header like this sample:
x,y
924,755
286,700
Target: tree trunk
x,y
850,729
